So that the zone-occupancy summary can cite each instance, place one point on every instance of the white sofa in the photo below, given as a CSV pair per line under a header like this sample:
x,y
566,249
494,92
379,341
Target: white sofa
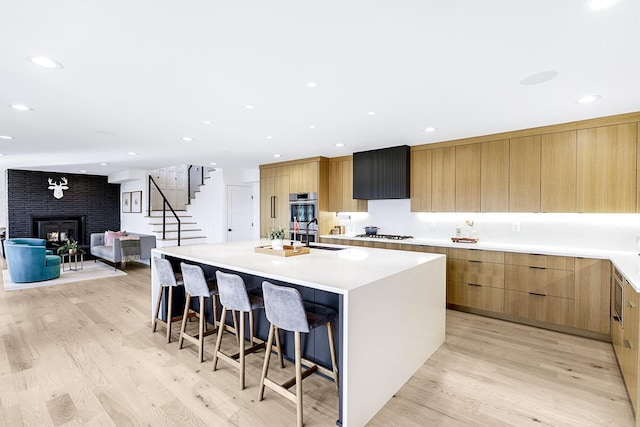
x,y
113,254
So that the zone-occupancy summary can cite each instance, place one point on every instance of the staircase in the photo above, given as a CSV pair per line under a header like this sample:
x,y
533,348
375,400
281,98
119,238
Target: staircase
x,y
190,232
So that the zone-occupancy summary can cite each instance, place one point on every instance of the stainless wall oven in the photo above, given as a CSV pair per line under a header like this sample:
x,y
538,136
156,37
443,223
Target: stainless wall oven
x,y
618,297
303,207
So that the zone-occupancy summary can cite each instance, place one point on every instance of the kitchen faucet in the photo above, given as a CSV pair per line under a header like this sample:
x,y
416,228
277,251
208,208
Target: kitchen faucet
x,y
307,229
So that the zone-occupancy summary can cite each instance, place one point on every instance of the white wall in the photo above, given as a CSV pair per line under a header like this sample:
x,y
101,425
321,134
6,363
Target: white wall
x,y
589,231
135,222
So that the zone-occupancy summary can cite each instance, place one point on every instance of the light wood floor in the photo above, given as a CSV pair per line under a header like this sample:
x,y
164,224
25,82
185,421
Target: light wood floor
x,y
83,354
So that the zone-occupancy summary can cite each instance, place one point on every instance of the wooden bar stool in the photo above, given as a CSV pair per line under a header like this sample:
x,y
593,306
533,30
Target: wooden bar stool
x,y
167,278
286,310
196,285
234,296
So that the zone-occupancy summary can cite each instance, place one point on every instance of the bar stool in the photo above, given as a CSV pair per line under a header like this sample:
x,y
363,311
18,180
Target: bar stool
x,y
286,310
196,285
167,279
234,296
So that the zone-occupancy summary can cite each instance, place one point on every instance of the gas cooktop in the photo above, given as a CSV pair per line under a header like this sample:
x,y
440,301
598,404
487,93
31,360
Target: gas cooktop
x,y
384,236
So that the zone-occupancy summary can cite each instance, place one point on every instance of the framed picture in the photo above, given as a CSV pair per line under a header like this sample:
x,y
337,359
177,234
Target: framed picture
x,y
126,202
136,202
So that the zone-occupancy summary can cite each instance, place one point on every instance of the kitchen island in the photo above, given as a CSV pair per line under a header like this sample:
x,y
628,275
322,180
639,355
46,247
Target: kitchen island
x,y
391,309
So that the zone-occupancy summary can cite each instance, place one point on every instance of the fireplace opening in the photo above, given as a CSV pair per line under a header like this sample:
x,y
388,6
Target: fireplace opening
x,y
59,229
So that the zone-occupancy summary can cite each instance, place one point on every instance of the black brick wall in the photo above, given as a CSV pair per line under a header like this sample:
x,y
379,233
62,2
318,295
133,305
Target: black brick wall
x,y
88,195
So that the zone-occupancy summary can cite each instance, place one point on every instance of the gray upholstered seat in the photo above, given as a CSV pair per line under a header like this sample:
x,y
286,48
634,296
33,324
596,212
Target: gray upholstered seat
x,y
286,310
167,279
196,285
234,296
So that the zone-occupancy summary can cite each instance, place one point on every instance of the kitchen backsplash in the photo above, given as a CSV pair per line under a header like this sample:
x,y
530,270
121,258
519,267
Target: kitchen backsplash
x,y
589,231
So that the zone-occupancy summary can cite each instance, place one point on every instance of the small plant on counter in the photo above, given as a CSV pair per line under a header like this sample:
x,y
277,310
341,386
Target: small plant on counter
x,y
71,247
276,233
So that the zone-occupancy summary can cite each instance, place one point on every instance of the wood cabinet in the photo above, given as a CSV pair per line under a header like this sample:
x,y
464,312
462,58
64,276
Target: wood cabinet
x,y
341,187
606,169
593,294
443,179
629,362
524,174
421,181
558,153
274,203
468,178
303,177
494,176
540,287
475,279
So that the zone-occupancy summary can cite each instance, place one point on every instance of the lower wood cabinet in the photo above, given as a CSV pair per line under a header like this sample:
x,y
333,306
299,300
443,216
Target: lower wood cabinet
x,y
593,300
476,296
544,308
626,343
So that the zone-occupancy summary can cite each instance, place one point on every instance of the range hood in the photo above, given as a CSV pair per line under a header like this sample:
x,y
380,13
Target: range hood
x,y
382,174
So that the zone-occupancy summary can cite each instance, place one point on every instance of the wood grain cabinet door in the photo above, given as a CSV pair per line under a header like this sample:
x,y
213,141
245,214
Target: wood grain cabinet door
x,y
443,179
421,181
558,172
593,294
524,174
494,176
468,178
606,169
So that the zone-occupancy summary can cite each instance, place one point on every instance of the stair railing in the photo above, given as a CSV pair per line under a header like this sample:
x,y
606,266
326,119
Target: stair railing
x,y
155,190
196,179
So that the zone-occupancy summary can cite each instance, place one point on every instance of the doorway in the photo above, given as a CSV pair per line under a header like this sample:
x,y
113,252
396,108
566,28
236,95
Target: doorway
x,y
239,213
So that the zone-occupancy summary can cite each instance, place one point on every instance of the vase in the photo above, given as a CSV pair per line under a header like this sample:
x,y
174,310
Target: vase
x,y
72,251
277,244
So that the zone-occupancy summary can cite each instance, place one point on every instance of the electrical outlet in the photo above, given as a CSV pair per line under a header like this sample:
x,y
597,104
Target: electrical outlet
x,y
515,226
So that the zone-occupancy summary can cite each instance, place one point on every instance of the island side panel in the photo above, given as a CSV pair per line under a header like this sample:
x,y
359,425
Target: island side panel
x,y
391,328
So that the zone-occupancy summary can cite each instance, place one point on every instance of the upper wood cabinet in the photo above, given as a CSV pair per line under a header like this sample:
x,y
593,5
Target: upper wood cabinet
x,y
341,187
303,177
468,178
494,176
558,172
421,181
606,168
524,174
443,179
274,202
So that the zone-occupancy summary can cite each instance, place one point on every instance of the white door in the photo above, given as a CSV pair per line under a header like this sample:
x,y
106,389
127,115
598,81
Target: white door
x,y
239,213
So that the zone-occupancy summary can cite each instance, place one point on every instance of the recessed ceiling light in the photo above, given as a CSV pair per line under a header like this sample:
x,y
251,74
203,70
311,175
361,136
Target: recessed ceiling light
x,y
339,144
537,78
269,137
21,107
276,155
371,113
5,137
82,171
213,163
430,129
312,84
588,98
132,153
45,62
187,138
104,164
602,4
207,122
2,154
249,107
312,126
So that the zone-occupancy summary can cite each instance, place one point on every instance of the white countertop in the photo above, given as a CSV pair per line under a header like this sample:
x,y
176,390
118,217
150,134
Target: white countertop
x,y
628,263
334,271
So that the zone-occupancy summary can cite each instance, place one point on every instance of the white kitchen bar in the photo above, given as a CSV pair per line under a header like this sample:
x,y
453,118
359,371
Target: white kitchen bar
x,y
392,310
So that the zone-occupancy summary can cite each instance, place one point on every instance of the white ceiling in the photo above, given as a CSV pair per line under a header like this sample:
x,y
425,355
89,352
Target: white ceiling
x,y
140,75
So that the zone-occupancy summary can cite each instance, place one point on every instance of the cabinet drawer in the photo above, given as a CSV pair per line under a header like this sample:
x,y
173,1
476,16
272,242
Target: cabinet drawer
x,y
540,280
544,261
475,272
475,296
421,248
544,308
477,255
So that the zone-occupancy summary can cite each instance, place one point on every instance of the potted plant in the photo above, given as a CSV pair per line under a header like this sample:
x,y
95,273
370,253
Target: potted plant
x,y
71,247
276,235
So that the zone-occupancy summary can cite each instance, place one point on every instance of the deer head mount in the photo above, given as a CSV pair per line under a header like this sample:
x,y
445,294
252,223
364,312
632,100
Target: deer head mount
x,y
57,187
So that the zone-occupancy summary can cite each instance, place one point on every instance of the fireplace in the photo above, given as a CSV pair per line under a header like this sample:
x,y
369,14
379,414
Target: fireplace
x,y
58,229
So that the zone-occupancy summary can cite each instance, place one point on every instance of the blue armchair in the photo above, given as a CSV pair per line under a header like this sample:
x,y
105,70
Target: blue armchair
x,y
29,260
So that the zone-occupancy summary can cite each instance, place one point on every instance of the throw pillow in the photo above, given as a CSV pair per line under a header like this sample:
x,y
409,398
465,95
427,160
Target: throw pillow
x,y
111,235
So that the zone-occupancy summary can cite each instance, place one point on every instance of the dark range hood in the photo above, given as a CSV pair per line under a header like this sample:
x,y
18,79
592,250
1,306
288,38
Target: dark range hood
x,y
382,174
